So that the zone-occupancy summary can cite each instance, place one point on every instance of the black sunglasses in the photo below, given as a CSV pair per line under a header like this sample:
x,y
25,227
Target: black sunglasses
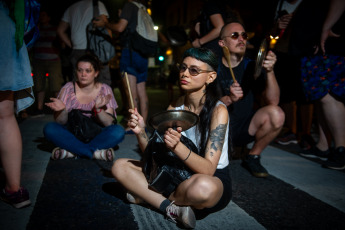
x,y
194,71
235,35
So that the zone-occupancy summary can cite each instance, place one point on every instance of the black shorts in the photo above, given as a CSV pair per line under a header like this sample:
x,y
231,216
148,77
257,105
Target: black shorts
x,y
225,177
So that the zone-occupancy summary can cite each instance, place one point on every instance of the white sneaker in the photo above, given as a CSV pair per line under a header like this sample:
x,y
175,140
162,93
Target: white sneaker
x,y
182,214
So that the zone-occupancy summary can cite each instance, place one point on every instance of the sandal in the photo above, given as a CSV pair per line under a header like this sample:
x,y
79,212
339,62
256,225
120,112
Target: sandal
x,y
104,154
59,153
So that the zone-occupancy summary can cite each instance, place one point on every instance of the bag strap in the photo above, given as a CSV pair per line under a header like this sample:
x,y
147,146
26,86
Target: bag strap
x,y
95,8
139,5
75,92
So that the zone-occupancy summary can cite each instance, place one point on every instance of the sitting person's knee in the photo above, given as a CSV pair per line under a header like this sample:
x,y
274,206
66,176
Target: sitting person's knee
x,y
117,133
118,168
277,116
49,129
203,189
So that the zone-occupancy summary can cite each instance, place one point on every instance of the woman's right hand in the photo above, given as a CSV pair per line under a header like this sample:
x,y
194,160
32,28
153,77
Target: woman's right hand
x,y
56,104
136,121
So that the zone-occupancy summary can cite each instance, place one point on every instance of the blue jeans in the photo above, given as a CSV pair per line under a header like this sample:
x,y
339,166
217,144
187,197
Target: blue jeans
x,y
61,137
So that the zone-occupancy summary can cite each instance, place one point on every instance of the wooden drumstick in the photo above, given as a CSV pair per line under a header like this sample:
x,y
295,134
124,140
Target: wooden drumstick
x,y
226,53
129,91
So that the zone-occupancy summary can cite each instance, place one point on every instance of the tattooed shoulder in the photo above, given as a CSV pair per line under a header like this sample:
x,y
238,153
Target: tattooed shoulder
x,y
217,136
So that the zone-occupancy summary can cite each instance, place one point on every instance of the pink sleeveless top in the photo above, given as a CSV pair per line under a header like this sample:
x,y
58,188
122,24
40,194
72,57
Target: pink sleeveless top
x,y
68,97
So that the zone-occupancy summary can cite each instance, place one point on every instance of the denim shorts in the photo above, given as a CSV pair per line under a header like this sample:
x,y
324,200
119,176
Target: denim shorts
x,y
15,65
134,64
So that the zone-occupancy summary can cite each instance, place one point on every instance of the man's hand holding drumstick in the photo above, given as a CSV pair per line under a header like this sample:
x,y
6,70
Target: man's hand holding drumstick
x,y
236,92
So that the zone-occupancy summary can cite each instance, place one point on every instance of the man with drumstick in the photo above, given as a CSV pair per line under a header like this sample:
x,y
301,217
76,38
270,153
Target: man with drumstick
x,y
241,91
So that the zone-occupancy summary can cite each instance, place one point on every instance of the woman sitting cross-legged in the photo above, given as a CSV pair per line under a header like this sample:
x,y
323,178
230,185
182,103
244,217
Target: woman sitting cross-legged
x,y
91,96
208,189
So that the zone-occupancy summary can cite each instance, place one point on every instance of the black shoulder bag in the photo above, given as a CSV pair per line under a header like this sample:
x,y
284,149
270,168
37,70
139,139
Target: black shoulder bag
x,y
83,127
163,169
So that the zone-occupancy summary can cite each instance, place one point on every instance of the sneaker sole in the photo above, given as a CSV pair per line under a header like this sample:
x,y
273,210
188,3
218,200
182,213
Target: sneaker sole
x,y
260,175
287,143
313,156
22,204
255,174
18,205
336,168
188,219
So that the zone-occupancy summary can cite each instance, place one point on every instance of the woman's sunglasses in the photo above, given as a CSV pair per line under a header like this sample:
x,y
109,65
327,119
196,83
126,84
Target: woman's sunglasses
x,y
194,71
235,35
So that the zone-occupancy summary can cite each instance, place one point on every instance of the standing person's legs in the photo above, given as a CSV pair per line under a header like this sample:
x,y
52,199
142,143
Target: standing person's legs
x,y
334,113
39,71
133,87
142,67
55,77
321,148
136,67
10,142
143,100
127,67
306,111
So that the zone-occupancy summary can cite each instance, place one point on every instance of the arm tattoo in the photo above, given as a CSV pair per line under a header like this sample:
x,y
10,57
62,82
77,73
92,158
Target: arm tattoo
x,y
217,136
211,153
144,136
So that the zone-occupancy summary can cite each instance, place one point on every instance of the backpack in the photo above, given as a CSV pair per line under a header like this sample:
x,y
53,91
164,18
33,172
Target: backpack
x,y
98,40
32,14
144,40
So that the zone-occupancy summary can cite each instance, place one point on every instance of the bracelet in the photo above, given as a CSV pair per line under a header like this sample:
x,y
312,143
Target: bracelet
x,y
199,42
190,151
95,112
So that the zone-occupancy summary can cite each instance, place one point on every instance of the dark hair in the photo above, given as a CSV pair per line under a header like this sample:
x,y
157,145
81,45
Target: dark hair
x,y
212,93
92,59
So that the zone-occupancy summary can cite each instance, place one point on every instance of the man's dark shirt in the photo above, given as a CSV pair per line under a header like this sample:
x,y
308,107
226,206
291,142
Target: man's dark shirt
x,y
241,112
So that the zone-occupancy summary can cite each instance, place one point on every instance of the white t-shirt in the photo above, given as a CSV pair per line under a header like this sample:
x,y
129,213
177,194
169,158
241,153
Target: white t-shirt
x,y
78,16
191,134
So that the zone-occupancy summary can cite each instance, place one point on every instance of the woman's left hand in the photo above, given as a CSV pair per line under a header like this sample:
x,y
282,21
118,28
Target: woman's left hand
x,y
101,101
172,137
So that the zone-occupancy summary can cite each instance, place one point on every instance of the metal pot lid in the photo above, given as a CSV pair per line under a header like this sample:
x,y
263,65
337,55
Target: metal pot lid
x,y
260,58
172,119
177,36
